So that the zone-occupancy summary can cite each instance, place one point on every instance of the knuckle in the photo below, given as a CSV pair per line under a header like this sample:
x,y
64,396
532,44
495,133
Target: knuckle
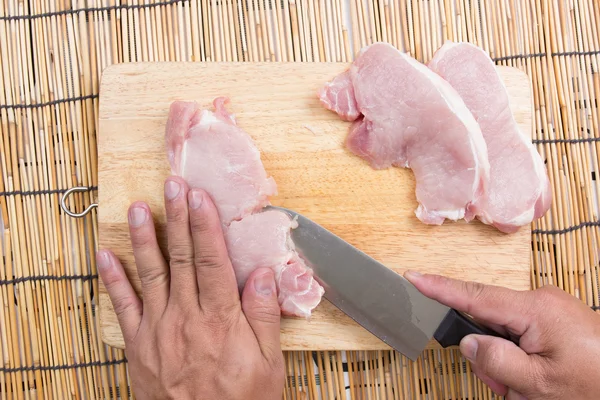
x,y
123,304
111,280
179,255
547,295
200,225
439,280
205,224
142,238
177,212
264,313
549,292
220,318
209,260
209,229
152,278
475,292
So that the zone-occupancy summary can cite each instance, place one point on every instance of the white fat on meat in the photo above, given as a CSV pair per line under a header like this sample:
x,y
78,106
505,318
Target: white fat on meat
x,y
407,116
209,151
519,190
338,95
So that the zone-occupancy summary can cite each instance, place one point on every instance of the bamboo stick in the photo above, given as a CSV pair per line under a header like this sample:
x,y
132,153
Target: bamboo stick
x,y
267,33
256,27
293,11
234,42
315,39
302,32
276,32
288,31
360,21
320,17
251,30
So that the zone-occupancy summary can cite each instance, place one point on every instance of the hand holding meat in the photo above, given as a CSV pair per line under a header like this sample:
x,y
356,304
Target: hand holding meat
x,y
192,336
558,356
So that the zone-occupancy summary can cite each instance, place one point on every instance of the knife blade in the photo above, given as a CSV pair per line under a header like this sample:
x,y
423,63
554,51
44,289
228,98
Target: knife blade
x,y
377,298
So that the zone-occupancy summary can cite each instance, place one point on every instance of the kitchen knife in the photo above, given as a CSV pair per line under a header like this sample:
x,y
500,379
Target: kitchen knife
x,y
377,298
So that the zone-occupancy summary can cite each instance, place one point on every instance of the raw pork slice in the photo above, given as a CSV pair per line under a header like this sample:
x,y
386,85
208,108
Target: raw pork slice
x,y
211,152
410,117
519,189
263,240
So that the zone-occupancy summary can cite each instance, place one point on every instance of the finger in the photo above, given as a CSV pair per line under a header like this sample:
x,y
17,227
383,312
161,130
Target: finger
x,y
151,266
125,301
184,289
491,304
496,387
216,279
500,360
260,305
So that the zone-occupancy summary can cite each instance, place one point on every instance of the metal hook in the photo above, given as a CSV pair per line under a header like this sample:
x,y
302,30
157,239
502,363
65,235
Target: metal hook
x,y
63,204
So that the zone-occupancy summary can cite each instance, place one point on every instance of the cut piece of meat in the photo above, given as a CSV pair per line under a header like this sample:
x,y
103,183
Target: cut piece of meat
x,y
263,240
519,189
413,118
212,153
338,96
299,291
259,240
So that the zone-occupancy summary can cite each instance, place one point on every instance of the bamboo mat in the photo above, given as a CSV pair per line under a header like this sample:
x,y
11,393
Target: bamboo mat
x,y
52,53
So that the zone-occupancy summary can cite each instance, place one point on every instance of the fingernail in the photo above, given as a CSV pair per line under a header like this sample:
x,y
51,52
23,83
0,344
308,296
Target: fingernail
x,y
468,347
137,216
172,189
195,199
265,284
412,275
103,260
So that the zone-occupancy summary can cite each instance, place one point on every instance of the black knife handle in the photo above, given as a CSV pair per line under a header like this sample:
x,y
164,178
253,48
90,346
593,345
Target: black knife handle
x,y
456,326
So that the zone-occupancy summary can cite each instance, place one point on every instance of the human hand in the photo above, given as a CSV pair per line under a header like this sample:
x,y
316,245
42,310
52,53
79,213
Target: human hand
x,y
558,356
191,337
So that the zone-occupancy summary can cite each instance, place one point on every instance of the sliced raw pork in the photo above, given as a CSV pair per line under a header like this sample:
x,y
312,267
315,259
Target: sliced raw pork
x,y
519,189
263,240
209,151
405,115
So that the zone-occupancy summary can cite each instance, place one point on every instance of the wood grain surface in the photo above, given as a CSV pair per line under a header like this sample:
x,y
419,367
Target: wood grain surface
x,y
302,148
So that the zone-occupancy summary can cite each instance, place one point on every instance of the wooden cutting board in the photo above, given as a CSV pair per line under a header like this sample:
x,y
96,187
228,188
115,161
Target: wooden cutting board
x,y
302,148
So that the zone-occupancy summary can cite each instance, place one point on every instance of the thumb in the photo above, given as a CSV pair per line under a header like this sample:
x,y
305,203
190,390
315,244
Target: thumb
x,y
499,360
260,305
